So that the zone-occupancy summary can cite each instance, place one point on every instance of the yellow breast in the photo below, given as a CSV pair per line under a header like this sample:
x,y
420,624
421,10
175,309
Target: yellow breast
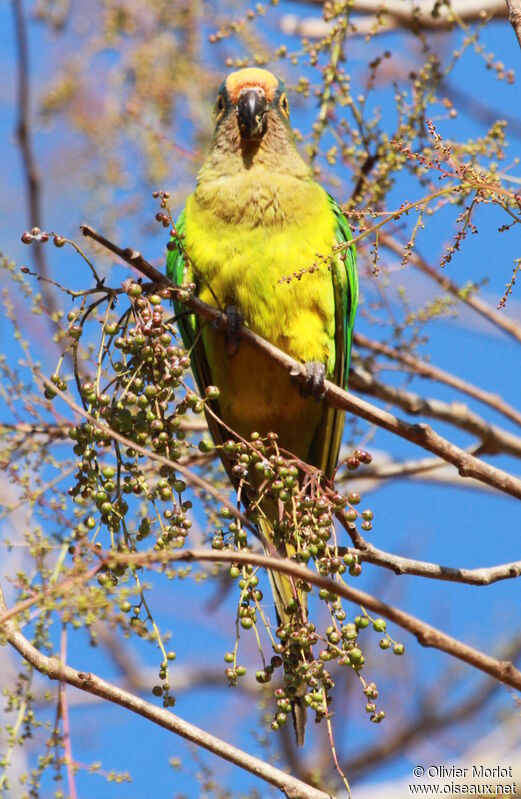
x,y
242,263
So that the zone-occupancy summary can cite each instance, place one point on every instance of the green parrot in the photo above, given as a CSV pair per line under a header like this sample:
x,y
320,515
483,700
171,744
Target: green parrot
x,y
258,216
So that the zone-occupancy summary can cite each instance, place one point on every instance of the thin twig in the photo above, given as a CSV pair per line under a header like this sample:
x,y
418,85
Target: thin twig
x,y
400,565
64,713
33,190
498,319
431,470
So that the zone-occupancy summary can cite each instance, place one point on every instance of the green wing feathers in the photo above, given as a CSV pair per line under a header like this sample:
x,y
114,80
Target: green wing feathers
x,y
179,272
345,279
327,441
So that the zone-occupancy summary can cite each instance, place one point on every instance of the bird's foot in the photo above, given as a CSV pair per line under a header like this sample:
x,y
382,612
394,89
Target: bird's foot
x,y
233,330
314,384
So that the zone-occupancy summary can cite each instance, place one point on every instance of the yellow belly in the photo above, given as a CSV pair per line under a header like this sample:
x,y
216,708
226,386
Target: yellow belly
x,y
257,396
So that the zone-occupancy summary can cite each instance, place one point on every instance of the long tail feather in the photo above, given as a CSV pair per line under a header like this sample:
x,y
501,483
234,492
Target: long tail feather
x,y
285,593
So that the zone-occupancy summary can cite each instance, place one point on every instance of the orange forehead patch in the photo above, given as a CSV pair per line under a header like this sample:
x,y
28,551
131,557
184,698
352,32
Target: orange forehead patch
x,y
251,77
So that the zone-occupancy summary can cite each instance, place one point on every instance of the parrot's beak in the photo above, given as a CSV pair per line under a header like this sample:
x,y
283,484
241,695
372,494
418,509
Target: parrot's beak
x,y
251,114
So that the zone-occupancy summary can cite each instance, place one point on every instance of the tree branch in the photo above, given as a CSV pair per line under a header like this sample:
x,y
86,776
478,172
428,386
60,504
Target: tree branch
x,y
493,438
397,15
426,635
514,17
399,565
33,189
432,470
420,13
422,368
420,434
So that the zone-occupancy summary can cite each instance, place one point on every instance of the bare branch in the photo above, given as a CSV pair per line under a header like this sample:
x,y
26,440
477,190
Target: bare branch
x,y
425,369
426,635
57,432
514,16
421,13
399,565
432,470
23,135
420,434
493,438
396,15
28,429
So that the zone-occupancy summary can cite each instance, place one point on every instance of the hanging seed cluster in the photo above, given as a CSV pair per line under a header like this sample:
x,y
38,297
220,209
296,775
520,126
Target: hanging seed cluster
x,y
137,403
137,391
307,505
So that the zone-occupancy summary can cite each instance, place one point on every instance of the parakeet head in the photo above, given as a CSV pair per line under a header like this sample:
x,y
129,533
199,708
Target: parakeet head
x,y
249,103
253,148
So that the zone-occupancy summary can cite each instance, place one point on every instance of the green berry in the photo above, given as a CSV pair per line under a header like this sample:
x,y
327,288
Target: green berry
x,y
212,392
206,445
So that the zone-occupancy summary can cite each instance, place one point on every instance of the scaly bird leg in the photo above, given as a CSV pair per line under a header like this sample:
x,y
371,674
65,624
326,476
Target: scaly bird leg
x,y
314,385
233,330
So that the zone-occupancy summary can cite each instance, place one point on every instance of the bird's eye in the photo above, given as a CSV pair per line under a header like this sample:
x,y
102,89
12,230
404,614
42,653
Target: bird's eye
x,y
220,106
284,105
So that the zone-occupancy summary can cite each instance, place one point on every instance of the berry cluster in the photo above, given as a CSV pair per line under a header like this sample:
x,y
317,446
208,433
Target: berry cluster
x,y
304,530
137,393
